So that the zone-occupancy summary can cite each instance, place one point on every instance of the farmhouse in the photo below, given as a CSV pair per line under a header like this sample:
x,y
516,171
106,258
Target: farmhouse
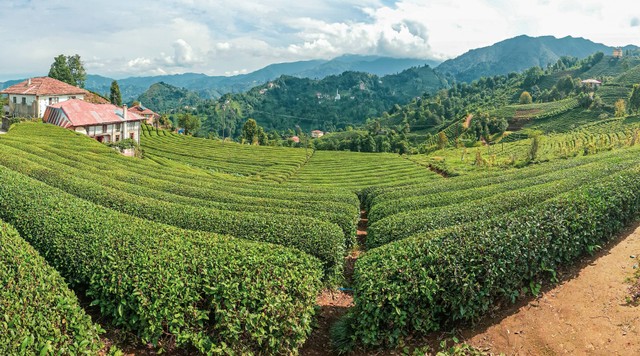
x,y
317,133
104,122
617,52
145,113
31,97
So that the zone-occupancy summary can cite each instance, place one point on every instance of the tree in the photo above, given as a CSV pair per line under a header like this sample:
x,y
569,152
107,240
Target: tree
x,y
68,69
634,100
189,123
114,96
442,140
250,131
525,98
78,73
620,108
532,155
60,70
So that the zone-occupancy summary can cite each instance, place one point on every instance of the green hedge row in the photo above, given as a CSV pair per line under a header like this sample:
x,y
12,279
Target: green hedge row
x,y
403,225
321,239
417,285
416,202
343,215
38,312
214,292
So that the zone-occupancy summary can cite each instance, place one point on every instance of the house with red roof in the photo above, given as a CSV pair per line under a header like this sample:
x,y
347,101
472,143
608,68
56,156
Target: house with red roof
x,y
147,113
317,133
31,97
104,122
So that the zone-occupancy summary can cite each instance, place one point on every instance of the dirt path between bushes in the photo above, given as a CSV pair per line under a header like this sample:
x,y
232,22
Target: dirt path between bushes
x,y
587,313
334,304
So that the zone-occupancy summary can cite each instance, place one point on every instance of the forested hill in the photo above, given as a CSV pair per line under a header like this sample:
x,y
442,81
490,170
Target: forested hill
x,y
332,103
215,86
519,53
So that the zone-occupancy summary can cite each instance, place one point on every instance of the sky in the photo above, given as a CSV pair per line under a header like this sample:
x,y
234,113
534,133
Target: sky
x,y
119,38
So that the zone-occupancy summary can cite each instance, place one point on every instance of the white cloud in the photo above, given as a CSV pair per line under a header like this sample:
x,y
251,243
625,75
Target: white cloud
x,y
229,36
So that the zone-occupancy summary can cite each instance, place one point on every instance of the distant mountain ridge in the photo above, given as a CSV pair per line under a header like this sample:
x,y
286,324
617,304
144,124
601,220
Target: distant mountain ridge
x,y
216,86
517,54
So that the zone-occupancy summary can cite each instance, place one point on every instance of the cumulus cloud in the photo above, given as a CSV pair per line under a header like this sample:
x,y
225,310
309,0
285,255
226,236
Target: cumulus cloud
x,y
229,36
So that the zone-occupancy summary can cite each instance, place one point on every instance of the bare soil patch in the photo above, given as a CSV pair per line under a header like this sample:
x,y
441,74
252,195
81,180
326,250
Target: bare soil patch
x,y
587,313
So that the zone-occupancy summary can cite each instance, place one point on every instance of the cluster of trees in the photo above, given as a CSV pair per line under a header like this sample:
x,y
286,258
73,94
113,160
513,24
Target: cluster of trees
x,y
68,69
364,141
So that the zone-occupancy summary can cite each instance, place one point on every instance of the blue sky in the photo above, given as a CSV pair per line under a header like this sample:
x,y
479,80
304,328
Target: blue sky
x,y
120,38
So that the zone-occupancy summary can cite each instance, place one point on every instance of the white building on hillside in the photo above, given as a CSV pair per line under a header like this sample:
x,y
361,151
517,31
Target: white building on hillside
x,y
31,97
104,122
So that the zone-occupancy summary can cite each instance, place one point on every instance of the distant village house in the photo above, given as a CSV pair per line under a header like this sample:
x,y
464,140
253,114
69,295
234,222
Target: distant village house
x,y
295,139
317,133
104,122
617,52
31,97
591,83
146,113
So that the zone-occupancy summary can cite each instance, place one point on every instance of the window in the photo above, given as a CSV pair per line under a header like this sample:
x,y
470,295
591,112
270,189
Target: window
x,y
117,138
24,101
104,128
132,135
72,97
118,126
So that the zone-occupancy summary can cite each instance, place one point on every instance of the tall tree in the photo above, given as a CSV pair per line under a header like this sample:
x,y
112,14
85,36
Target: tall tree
x,y
60,70
114,96
68,69
634,100
189,123
250,131
76,67
620,108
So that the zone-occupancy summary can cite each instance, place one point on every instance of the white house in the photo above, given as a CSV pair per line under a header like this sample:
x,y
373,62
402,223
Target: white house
x,y
31,97
317,133
104,122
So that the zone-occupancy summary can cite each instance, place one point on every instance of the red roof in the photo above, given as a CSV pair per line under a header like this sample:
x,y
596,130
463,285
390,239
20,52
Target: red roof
x,y
43,86
142,111
82,113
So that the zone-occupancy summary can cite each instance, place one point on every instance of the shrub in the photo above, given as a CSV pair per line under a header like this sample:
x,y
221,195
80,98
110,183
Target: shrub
x,y
214,292
418,285
40,315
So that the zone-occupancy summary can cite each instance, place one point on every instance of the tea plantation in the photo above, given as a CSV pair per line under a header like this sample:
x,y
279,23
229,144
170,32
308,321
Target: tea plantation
x,y
216,247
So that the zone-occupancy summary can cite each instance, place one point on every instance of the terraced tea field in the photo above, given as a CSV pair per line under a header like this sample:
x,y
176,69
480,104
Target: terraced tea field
x,y
211,247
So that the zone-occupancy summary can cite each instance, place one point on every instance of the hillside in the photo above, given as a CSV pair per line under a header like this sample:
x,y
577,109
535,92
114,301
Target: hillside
x,y
517,54
288,102
216,86
163,97
203,227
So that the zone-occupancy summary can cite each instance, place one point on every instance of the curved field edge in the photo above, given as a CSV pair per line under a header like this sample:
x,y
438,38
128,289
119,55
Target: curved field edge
x,y
212,292
424,283
40,314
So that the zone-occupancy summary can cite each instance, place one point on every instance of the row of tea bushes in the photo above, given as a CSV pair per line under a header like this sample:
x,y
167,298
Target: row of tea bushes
x,y
420,284
39,314
210,291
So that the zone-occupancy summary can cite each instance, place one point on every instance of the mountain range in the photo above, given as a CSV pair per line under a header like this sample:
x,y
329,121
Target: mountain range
x,y
511,55
519,53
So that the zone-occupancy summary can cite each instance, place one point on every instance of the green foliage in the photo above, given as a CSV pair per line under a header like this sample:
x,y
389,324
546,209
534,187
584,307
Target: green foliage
x,y
532,155
634,100
416,285
68,69
190,123
525,98
60,70
250,131
40,315
620,108
114,94
442,140
213,292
